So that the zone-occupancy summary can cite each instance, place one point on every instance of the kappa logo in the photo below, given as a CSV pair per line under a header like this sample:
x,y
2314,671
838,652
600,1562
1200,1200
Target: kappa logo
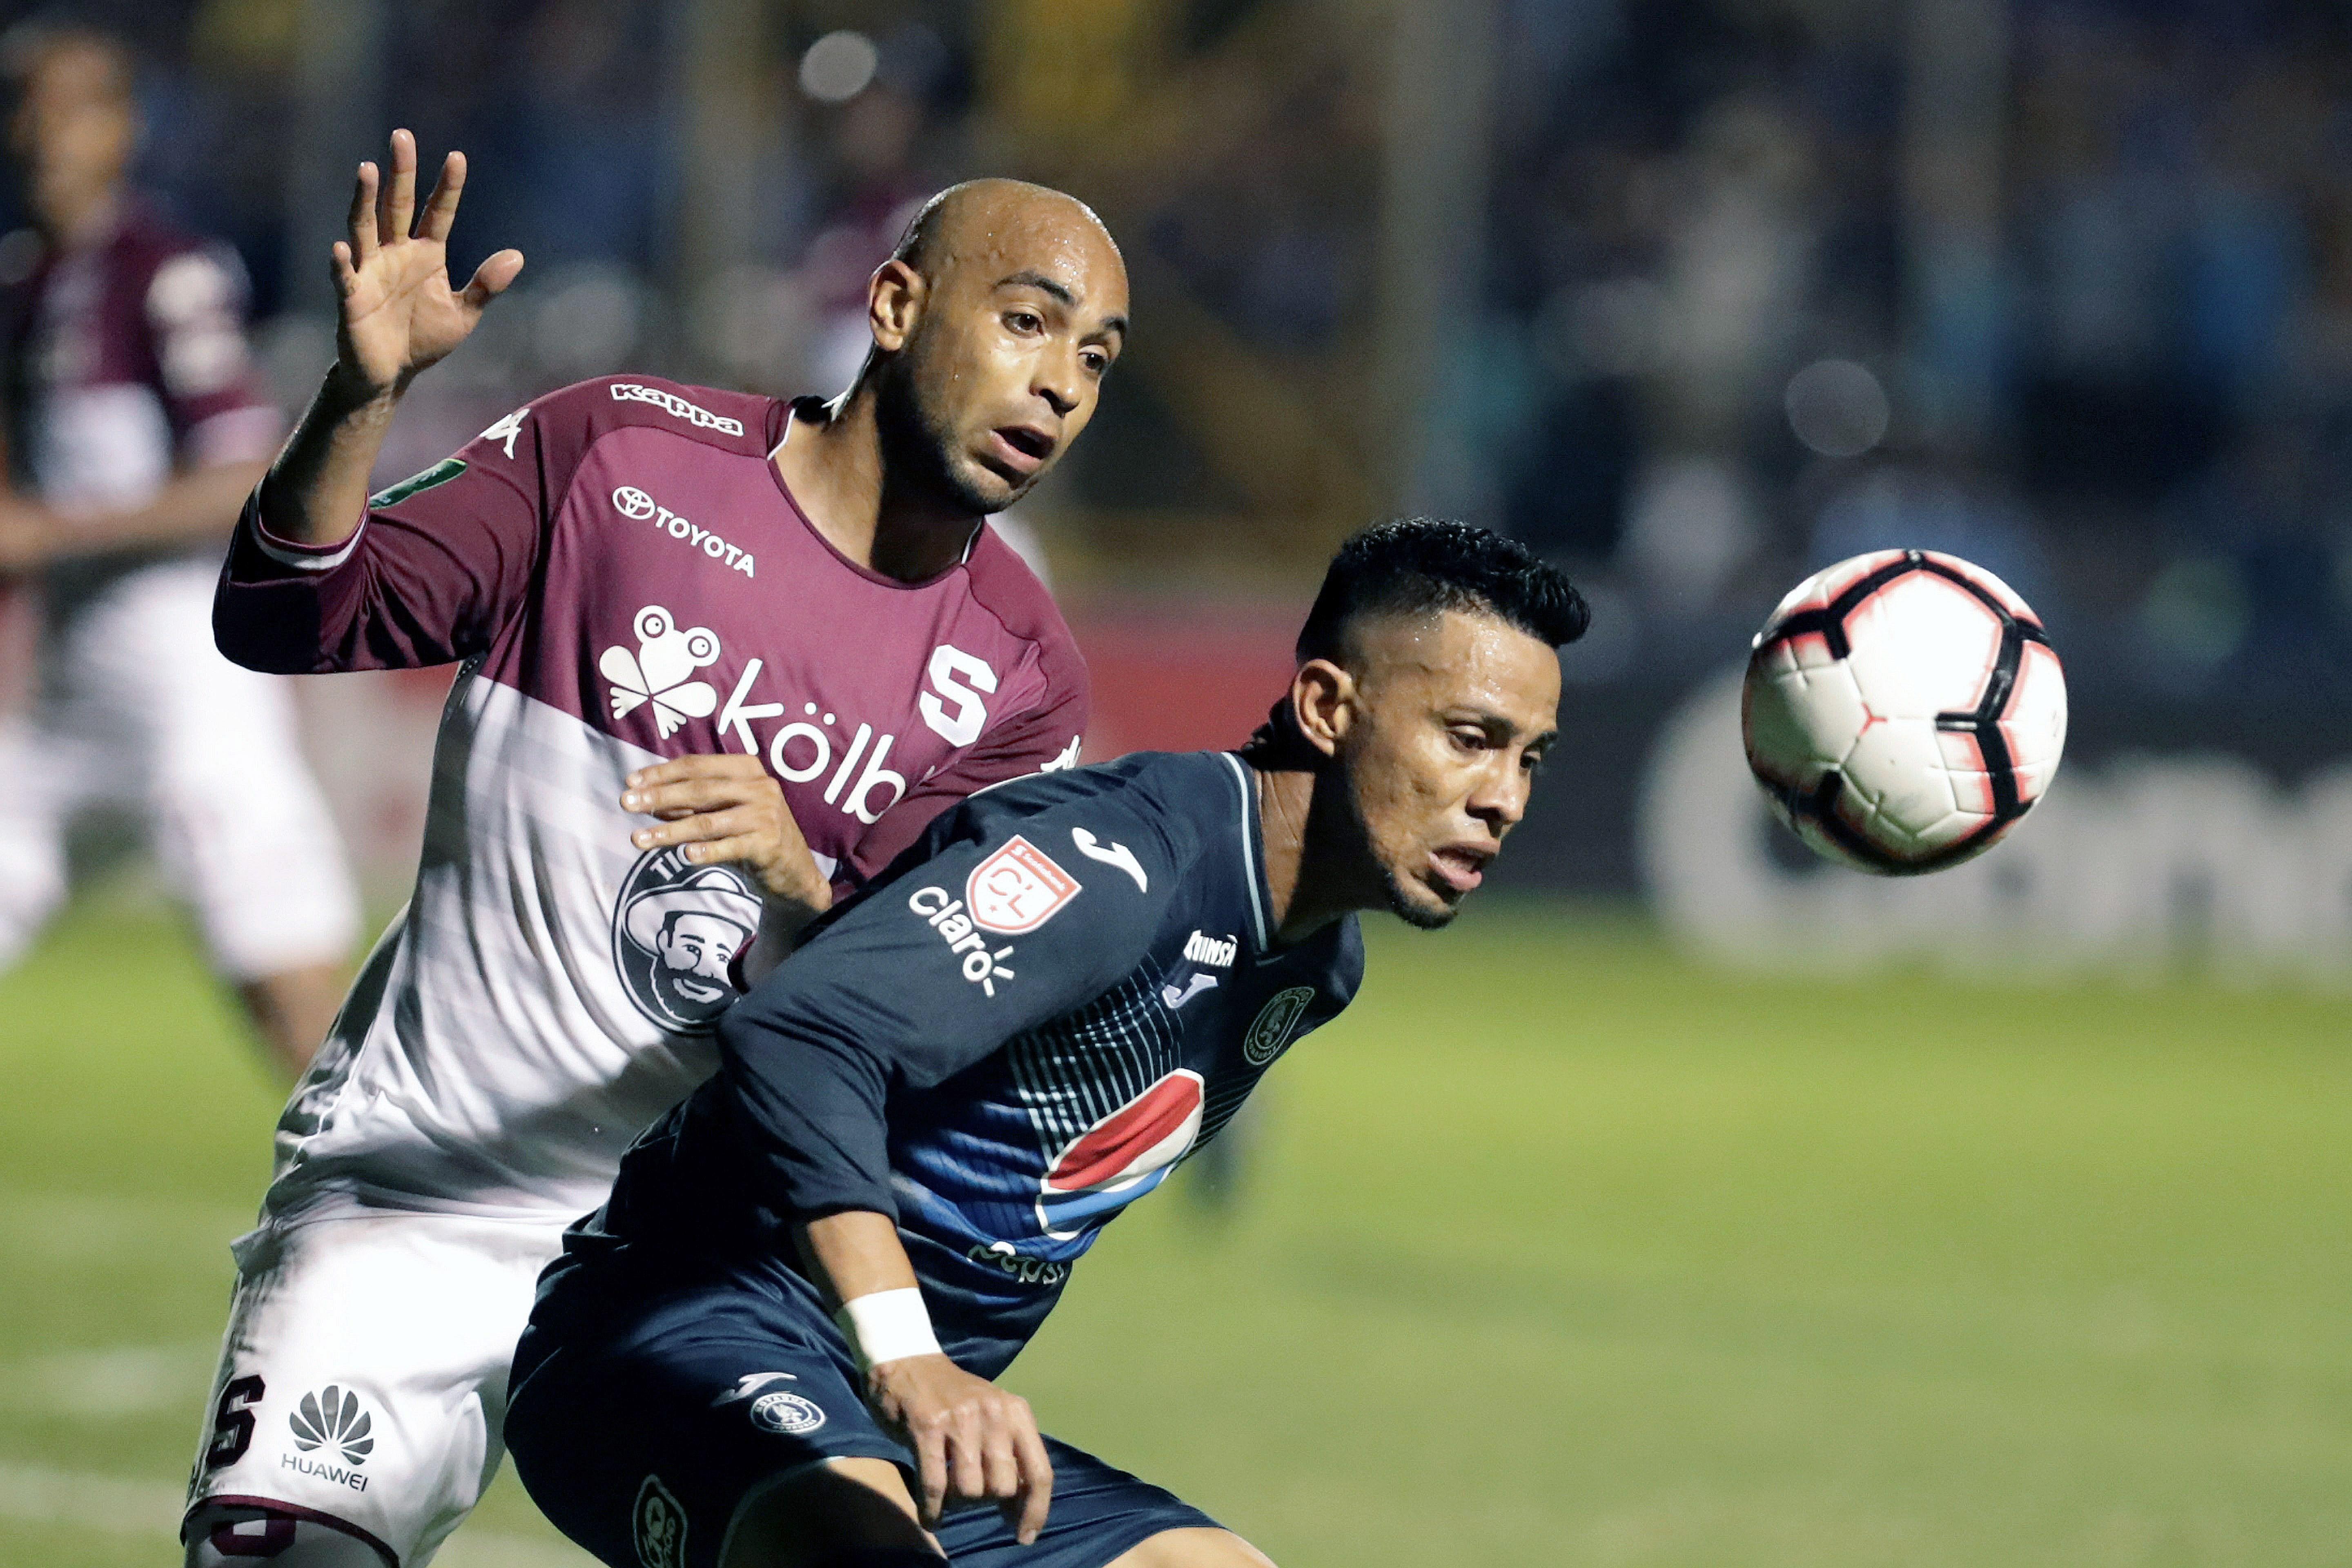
x,y
657,672
1018,889
1216,952
638,506
507,429
1269,1033
694,414
657,1524
676,928
947,917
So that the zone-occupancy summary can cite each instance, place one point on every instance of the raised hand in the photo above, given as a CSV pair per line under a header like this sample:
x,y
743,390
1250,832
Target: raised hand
x,y
399,314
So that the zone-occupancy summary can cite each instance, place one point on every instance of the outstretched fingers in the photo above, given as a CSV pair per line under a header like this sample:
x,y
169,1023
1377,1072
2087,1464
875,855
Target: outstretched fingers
x,y
441,207
362,220
490,279
400,195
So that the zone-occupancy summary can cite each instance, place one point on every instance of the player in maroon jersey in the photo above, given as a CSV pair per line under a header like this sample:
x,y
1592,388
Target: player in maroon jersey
x,y
134,427
669,600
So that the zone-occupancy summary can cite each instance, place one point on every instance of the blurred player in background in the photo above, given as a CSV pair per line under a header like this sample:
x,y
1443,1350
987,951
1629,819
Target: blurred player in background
x,y
134,427
783,628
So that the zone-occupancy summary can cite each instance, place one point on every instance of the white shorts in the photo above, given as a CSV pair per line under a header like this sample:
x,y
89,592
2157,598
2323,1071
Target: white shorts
x,y
363,1382
142,710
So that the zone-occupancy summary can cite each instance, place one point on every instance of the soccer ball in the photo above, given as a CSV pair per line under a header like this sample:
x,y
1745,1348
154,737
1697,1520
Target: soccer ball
x,y
1903,710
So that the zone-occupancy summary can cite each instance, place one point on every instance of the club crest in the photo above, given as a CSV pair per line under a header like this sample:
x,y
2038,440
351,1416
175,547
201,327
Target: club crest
x,y
658,1523
1017,889
1270,1032
677,927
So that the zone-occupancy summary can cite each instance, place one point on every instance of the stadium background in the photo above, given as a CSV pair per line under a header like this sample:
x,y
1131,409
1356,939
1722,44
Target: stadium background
x,y
1692,1204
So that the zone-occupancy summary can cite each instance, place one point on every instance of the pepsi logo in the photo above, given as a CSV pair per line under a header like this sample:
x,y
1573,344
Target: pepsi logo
x,y
1124,1155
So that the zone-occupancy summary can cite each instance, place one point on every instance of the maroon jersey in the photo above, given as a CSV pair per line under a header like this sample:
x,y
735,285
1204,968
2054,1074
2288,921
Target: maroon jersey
x,y
625,577
126,359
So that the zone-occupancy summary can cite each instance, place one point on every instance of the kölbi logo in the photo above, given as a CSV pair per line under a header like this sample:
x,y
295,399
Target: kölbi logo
x,y
676,926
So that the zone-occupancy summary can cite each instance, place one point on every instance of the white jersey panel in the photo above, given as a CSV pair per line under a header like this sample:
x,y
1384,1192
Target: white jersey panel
x,y
546,993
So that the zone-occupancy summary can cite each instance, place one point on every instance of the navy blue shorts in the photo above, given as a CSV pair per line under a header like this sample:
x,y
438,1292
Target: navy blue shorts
x,y
640,1425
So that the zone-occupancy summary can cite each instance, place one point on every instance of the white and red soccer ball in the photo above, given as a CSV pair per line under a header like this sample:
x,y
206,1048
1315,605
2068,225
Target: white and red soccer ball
x,y
1903,710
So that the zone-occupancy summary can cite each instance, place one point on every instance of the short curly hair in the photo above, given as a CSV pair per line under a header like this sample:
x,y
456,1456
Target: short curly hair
x,y
1419,566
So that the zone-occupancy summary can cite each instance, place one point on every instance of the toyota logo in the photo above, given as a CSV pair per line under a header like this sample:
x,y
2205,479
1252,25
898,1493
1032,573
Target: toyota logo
x,y
634,502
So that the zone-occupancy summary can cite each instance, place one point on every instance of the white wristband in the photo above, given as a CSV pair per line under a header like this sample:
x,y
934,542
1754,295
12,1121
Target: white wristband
x,y
888,1325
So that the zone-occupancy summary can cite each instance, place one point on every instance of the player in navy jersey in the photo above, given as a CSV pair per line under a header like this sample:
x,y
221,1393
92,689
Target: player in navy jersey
x,y
774,1346
784,630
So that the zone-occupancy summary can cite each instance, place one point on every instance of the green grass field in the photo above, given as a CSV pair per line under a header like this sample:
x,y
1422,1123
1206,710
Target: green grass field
x,y
1557,1250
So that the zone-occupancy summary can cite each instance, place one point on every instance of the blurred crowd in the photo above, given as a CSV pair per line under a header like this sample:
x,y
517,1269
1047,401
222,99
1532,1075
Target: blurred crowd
x,y
1716,333
1708,286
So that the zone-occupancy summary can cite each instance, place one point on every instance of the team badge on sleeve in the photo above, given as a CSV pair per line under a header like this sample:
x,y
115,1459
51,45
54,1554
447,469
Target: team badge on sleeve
x,y
1017,889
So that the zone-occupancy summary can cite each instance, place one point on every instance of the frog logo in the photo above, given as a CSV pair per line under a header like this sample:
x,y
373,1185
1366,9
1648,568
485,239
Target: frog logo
x,y
657,673
676,928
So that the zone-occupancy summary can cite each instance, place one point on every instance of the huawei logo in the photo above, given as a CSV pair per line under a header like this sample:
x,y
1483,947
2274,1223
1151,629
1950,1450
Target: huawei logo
x,y
332,1419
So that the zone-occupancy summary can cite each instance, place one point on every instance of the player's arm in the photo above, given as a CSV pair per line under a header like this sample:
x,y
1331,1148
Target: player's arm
x,y
322,577
194,509
396,317
900,991
972,1440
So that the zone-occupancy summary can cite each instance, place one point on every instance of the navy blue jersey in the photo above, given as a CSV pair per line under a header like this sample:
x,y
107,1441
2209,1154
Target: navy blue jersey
x,y
1066,986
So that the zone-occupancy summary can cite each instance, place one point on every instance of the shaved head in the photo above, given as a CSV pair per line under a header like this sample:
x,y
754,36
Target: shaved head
x,y
995,323
952,223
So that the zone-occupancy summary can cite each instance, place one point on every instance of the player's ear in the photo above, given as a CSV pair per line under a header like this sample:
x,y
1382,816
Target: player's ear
x,y
1323,704
894,302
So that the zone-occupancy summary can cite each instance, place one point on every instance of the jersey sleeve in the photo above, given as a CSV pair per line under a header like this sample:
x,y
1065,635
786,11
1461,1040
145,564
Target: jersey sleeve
x,y
195,307
1045,738
439,564
1014,919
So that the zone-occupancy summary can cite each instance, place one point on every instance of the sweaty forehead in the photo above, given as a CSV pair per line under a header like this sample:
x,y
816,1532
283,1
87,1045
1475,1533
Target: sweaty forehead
x,y
1460,657
992,238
